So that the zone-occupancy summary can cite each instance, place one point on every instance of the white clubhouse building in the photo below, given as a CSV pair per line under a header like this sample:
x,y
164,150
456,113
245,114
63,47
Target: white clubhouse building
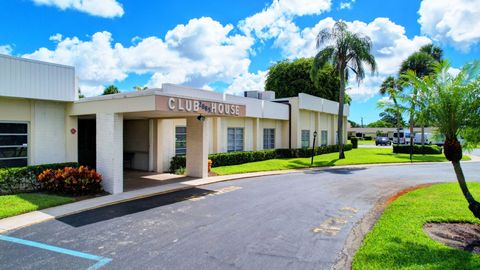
x,y
43,121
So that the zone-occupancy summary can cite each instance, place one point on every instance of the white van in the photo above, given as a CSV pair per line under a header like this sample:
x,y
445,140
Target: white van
x,y
403,136
429,139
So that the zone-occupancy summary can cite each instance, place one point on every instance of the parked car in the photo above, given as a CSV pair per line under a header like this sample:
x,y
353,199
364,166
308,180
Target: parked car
x,y
382,141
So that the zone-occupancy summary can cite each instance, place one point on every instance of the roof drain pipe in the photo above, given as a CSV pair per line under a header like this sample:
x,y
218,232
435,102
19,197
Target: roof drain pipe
x,y
287,102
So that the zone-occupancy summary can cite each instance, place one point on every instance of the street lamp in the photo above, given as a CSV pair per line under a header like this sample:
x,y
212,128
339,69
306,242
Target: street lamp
x,y
313,146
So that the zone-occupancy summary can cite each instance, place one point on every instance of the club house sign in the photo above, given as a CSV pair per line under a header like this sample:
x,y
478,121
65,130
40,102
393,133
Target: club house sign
x,y
177,104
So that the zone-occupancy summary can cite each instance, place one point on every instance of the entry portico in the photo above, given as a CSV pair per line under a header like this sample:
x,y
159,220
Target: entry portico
x,y
155,106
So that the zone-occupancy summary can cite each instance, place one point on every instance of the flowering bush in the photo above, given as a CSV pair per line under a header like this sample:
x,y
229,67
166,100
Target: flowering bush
x,y
71,180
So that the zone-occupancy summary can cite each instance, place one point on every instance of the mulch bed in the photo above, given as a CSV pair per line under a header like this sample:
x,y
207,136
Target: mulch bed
x,y
464,236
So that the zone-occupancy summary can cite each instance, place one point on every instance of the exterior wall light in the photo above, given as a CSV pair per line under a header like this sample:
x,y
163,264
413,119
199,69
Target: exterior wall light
x,y
201,118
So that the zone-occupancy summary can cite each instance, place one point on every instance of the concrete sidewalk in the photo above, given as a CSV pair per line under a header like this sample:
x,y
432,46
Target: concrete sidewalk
x,y
27,219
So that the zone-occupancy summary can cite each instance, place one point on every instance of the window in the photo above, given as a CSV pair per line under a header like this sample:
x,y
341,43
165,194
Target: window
x,y
235,139
324,137
180,141
305,138
13,144
268,138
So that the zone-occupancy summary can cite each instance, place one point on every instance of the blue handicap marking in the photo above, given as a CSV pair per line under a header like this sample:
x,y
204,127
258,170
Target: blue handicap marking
x,y
101,261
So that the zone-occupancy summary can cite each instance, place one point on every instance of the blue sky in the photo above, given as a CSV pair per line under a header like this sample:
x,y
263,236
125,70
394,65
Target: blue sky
x,y
226,45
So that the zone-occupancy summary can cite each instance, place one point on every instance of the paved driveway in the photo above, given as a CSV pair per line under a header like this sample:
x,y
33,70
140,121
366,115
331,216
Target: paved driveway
x,y
293,221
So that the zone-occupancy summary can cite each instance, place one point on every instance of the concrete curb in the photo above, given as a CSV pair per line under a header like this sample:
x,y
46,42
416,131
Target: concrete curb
x,y
27,219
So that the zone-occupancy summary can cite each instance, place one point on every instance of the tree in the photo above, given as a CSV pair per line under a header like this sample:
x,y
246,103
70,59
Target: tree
x,y
348,52
391,87
80,95
353,124
289,78
111,89
421,62
380,124
453,103
139,88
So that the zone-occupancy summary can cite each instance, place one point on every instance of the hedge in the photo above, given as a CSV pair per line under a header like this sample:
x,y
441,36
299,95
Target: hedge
x,y
235,158
24,179
417,149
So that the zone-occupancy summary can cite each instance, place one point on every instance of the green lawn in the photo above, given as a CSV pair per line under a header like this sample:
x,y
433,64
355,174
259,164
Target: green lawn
x,y
364,142
355,156
398,241
12,205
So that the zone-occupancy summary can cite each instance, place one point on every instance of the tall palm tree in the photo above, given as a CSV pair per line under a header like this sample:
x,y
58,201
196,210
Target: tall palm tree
x,y
421,62
453,104
346,51
392,87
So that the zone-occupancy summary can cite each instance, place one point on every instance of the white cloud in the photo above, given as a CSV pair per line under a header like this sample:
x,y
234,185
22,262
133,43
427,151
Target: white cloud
x,y
348,4
455,22
195,54
390,47
366,89
248,81
100,8
6,49
278,16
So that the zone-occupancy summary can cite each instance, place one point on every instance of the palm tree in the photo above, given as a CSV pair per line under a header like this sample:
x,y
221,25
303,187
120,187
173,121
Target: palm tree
x,y
348,52
421,62
453,104
139,88
111,89
391,87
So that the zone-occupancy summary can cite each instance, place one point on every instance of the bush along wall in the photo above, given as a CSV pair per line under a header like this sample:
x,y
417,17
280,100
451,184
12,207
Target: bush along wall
x,y
417,149
24,179
71,180
354,141
235,158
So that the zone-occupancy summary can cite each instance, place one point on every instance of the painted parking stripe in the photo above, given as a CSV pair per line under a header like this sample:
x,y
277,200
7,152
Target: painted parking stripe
x,y
101,261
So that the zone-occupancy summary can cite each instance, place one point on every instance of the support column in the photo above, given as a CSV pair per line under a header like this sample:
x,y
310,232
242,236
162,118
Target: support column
x,y
197,148
152,145
110,151
71,141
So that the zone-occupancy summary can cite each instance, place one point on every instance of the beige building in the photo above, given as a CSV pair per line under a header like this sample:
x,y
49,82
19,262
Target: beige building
x,y
43,121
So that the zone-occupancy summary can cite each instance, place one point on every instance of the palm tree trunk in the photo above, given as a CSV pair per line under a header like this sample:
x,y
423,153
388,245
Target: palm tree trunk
x,y
411,137
423,134
398,119
473,205
341,98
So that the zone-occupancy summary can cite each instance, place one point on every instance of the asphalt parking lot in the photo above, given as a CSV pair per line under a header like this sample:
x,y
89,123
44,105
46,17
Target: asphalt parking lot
x,y
292,221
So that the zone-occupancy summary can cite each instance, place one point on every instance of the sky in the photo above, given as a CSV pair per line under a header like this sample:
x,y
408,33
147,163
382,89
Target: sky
x,y
228,46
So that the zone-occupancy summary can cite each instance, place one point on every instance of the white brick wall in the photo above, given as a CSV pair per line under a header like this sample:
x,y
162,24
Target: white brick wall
x,y
48,133
110,151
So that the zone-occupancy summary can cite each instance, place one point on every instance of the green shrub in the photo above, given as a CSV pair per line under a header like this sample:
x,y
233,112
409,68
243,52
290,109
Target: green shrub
x,y
24,179
354,141
417,149
367,138
180,171
177,162
71,180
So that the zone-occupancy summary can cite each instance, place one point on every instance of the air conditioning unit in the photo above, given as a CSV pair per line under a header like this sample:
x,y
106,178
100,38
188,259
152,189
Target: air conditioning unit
x,y
266,95
251,94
